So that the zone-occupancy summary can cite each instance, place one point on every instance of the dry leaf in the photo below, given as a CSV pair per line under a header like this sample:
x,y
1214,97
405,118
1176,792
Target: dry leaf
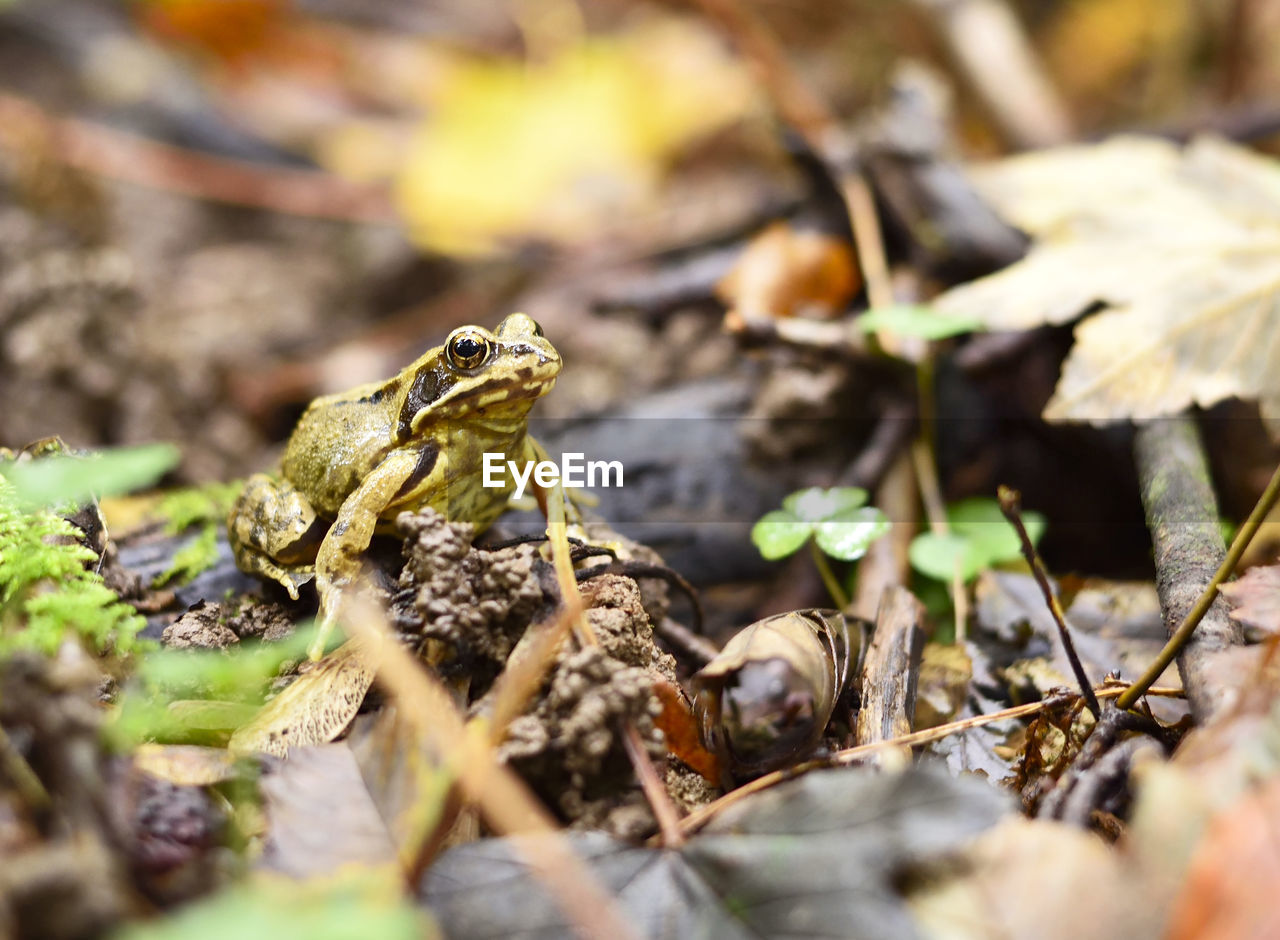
x,y
1230,889
550,149
1033,878
313,710
321,816
786,271
1183,245
1255,599
680,729
186,765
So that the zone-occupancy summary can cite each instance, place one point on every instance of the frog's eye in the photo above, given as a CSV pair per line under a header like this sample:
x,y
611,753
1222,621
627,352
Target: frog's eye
x,y
466,349
537,329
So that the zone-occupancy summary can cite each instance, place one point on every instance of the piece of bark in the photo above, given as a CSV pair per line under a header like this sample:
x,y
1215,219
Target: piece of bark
x,y
886,564
891,668
1182,515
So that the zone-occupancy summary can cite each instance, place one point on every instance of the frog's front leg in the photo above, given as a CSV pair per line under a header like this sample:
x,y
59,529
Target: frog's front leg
x,y
340,557
274,532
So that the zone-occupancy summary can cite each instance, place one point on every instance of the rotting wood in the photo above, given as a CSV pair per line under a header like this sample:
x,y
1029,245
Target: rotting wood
x,y
891,668
1182,515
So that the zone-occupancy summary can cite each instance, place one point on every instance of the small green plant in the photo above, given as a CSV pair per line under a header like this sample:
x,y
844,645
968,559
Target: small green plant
x,y
183,696
203,506
833,522
47,590
979,538
357,901
916,320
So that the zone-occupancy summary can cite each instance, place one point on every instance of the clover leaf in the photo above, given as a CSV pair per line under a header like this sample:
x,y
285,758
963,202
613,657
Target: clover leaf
x,y
916,320
980,537
835,518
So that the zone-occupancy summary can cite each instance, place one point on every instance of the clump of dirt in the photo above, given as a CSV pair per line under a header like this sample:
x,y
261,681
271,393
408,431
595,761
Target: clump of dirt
x,y
467,608
569,747
475,603
654,593
621,622
209,625
569,744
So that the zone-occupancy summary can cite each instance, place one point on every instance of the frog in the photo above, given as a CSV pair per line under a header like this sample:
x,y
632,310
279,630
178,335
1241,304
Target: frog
x,y
357,459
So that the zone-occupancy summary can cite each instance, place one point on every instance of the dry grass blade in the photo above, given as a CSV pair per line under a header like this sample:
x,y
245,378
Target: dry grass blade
x,y
501,796
664,810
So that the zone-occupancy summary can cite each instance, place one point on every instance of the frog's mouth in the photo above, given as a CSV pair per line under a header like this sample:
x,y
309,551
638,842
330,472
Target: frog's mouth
x,y
496,396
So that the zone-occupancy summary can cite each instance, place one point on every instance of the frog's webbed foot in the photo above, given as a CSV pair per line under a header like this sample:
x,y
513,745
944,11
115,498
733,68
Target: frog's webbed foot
x,y
274,532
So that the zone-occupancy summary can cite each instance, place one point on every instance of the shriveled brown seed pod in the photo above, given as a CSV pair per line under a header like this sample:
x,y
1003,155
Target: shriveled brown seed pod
x,y
766,699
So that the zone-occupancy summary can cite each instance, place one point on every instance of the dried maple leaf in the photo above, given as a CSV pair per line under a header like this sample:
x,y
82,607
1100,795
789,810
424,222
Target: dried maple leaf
x,y
1230,888
1256,599
1182,246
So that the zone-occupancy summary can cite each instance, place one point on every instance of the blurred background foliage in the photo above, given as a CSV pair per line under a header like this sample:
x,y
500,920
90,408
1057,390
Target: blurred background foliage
x,y
213,210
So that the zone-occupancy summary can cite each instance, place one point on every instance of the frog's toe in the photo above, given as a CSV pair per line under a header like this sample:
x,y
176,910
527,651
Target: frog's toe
x,y
290,578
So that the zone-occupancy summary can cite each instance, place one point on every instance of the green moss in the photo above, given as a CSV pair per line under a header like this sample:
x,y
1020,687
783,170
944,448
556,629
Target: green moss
x,y
181,509
47,593
203,506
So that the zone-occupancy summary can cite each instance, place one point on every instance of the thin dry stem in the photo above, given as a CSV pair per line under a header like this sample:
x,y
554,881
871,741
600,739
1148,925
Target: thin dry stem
x,y
1181,636
701,816
654,789
804,110
1010,505
664,809
522,675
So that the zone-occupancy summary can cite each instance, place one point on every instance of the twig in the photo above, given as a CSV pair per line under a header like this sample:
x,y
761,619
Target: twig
x,y
107,152
1108,774
694,647
800,107
994,53
701,816
664,809
1010,505
1266,502
886,562
1182,515
888,439
891,668
654,789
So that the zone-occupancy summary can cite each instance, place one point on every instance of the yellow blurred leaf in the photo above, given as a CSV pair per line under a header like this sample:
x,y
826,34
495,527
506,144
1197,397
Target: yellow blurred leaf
x,y
549,149
1183,246
1099,49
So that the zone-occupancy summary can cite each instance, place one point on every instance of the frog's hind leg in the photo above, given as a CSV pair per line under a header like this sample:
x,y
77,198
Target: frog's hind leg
x,y
274,532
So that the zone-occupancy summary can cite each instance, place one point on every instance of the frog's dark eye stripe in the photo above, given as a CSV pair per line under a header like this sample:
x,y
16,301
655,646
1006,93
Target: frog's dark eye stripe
x,y
466,349
424,390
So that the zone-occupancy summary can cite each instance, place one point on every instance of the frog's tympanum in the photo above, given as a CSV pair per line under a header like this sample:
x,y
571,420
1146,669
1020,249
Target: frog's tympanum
x,y
358,459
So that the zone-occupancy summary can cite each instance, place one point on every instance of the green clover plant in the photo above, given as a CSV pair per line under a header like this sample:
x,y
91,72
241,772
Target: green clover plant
x,y
980,538
833,522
